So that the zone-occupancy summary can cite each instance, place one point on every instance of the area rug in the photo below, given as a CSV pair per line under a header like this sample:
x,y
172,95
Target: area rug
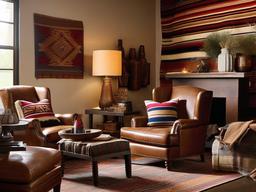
x,y
186,176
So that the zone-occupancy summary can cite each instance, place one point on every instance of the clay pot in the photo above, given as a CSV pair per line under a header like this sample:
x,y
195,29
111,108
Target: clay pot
x,y
243,63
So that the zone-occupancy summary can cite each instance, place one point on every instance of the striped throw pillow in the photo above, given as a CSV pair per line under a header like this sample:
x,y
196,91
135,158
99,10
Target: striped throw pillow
x,y
164,113
28,110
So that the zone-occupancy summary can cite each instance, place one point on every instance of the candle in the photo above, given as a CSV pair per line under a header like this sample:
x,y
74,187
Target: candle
x,y
184,70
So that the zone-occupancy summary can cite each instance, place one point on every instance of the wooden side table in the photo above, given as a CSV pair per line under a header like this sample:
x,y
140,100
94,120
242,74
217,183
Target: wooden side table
x,y
6,139
119,115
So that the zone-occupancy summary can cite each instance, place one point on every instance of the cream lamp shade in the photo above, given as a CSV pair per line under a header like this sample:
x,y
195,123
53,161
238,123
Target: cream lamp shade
x,y
107,63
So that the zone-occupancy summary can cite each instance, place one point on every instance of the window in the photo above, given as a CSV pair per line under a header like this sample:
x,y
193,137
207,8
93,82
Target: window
x,y
8,43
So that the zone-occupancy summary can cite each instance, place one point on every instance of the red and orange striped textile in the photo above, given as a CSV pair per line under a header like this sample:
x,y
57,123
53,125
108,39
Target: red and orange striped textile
x,y
185,24
161,113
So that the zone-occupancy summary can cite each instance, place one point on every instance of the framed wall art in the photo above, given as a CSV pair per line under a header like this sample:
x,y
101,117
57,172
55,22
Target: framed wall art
x,y
59,51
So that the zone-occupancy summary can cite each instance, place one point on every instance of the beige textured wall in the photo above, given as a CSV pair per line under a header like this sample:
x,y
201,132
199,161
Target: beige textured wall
x,y
104,21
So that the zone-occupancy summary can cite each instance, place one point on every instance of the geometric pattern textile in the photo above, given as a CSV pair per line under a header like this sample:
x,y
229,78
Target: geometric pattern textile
x,y
185,25
27,110
58,47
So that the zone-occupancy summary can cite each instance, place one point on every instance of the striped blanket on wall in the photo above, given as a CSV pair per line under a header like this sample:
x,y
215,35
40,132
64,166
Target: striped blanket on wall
x,y
186,23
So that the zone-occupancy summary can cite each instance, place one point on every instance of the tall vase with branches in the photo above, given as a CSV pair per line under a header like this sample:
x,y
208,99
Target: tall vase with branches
x,y
217,45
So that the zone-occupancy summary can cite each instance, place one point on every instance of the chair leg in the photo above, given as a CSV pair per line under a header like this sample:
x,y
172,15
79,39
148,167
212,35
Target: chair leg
x,y
168,164
128,167
56,188
202,157
95,172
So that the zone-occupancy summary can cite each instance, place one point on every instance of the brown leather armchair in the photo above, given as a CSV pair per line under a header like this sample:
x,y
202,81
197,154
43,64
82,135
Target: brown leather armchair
x,y
34,134
186,137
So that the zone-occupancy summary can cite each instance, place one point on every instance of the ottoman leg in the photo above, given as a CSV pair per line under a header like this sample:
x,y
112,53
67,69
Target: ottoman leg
x,y
56,188
128,167
95,172
168,165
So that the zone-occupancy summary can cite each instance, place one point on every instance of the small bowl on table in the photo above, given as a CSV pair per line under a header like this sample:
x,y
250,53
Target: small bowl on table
x,y
80,135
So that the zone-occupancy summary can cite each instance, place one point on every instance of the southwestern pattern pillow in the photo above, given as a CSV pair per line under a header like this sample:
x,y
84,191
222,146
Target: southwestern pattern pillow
x,y
28,110
164,113
41,110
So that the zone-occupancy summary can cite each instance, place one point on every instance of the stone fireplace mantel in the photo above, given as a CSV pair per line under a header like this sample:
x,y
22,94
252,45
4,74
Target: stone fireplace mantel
x,y
233,86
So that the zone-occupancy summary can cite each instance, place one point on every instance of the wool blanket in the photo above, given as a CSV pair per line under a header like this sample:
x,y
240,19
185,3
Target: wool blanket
x,y
236,131
186,24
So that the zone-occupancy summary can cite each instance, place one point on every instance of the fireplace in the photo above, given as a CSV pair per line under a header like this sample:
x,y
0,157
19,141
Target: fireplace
x,y
218,112
230,89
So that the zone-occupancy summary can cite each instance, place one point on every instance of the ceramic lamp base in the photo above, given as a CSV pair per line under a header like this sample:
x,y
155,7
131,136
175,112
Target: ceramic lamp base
x,y
106,98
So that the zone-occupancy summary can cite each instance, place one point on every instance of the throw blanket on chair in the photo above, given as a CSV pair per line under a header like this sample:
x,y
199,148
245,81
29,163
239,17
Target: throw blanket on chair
x,y
235,148
235,131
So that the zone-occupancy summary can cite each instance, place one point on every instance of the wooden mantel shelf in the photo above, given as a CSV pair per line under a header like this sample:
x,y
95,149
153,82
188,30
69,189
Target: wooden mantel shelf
x,y
210,75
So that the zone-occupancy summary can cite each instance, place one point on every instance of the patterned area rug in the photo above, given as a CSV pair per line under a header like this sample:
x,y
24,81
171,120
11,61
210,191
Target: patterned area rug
x,y
189,175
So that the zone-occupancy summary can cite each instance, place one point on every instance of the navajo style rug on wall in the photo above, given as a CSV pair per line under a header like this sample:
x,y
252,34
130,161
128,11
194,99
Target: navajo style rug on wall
x,y
185,24
58,47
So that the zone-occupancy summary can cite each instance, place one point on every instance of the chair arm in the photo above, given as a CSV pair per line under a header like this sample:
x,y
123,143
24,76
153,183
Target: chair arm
x,y
185,124
139,121
32,134
66,119
192,134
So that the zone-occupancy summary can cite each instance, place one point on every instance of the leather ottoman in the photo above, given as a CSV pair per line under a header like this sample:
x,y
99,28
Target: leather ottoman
x,y
97,150
37,169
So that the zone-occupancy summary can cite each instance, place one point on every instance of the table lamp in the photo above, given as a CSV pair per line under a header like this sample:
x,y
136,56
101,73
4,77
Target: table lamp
x,y
106,63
